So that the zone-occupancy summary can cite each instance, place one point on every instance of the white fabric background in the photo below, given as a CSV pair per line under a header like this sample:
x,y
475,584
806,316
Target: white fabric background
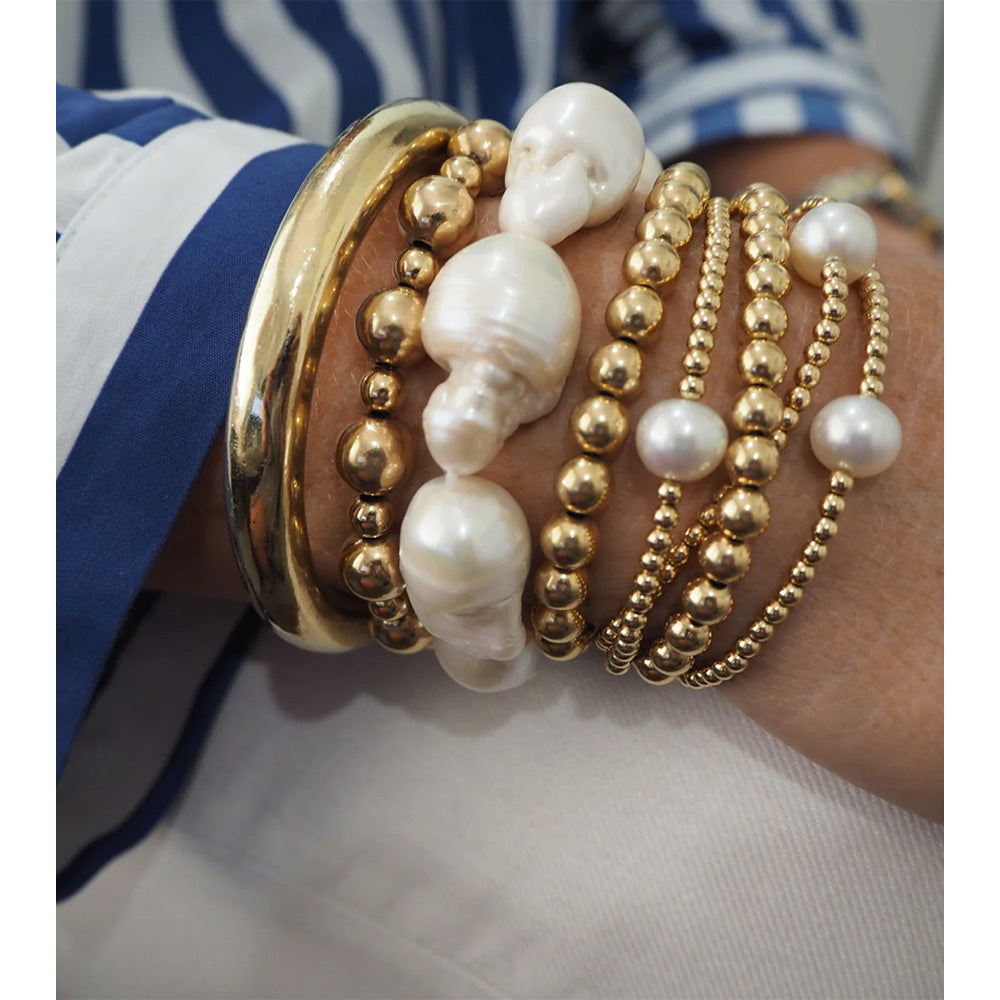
x,y
362,827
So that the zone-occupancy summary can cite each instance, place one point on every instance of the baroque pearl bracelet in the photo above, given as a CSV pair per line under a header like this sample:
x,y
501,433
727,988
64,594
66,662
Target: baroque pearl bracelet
x,y
501,316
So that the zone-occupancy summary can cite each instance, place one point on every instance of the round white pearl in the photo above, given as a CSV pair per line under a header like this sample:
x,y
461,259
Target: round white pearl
x,y
858,434
836,229
681,439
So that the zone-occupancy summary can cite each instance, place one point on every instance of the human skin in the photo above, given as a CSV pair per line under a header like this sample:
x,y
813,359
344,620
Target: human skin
x,y
853,679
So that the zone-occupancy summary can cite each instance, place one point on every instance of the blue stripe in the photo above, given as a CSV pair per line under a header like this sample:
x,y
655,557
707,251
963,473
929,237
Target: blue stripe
x,y
846,18
822,111
157,414
230,80
81,116
172,777
700,37
458,46
492,48
716,121
152,124
359,82
798,33
101,66
414,26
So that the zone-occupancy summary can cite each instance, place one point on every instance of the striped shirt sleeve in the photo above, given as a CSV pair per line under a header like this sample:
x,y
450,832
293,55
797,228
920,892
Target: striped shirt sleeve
x,y
164,217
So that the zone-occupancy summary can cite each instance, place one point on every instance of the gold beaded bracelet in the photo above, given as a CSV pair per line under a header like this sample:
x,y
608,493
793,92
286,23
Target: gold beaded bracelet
x,y
374,454
600,422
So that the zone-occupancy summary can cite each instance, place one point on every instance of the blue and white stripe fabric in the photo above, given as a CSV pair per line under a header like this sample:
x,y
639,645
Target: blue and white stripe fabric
x,y
184,129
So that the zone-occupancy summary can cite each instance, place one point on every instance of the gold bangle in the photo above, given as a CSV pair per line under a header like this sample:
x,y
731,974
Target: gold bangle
x,y
278,356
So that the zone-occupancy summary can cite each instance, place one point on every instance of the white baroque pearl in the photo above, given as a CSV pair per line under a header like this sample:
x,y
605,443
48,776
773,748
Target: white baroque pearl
x,y
681,439
503,317
487,676
836,229
574,159
650,173
464,552
858,434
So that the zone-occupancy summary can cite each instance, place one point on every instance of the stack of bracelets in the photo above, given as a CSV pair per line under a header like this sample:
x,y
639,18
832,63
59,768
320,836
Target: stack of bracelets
x,y
501,316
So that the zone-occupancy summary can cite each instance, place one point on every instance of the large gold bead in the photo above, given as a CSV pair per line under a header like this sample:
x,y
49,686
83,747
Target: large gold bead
x,y
375,455
692,174
392,609
568,542
669,224
404,635
763,362
743,513
416,267
557,626
760,195
560,650
616,368
388,324
706,602
668,660
753,460
435,211
559,589
651,262
758,410
724,559
600,425
371,517
767,246
764,220
370,568
764,317
767,277
583,485
674,193
635,314
686,635
488,143
382,390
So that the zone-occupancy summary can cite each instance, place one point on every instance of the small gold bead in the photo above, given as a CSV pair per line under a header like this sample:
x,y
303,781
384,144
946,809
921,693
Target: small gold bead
x,y
802,573
382,390
692,174
763,362
668,224
697,533
584,485
752,460
874,366
780,438
633,620
764,317
712,282
878,316
652,562
668,660
743,513
834,269
678,554
775,613
635,314
701,340
708,299
669,492
560,650
488,143
706,602
600,425
760,630
637,601
687,636
713,267
558,626
392,609
747,647
818,353
568,542
723,559
758,410
835,288
872,386
833,506
825,529
692,387
835,309
653,263
674,193
370,568
646,583
405,635
764,220
417,268
375,455
814,552
790,595
658,540
799,398
388,325
616,368
877,300
559,589
697,362
767,277
665,517
371,517
436,211
877,348
767,246
704,319
840,482
826,331
735,663
790,419
466,171
808,375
